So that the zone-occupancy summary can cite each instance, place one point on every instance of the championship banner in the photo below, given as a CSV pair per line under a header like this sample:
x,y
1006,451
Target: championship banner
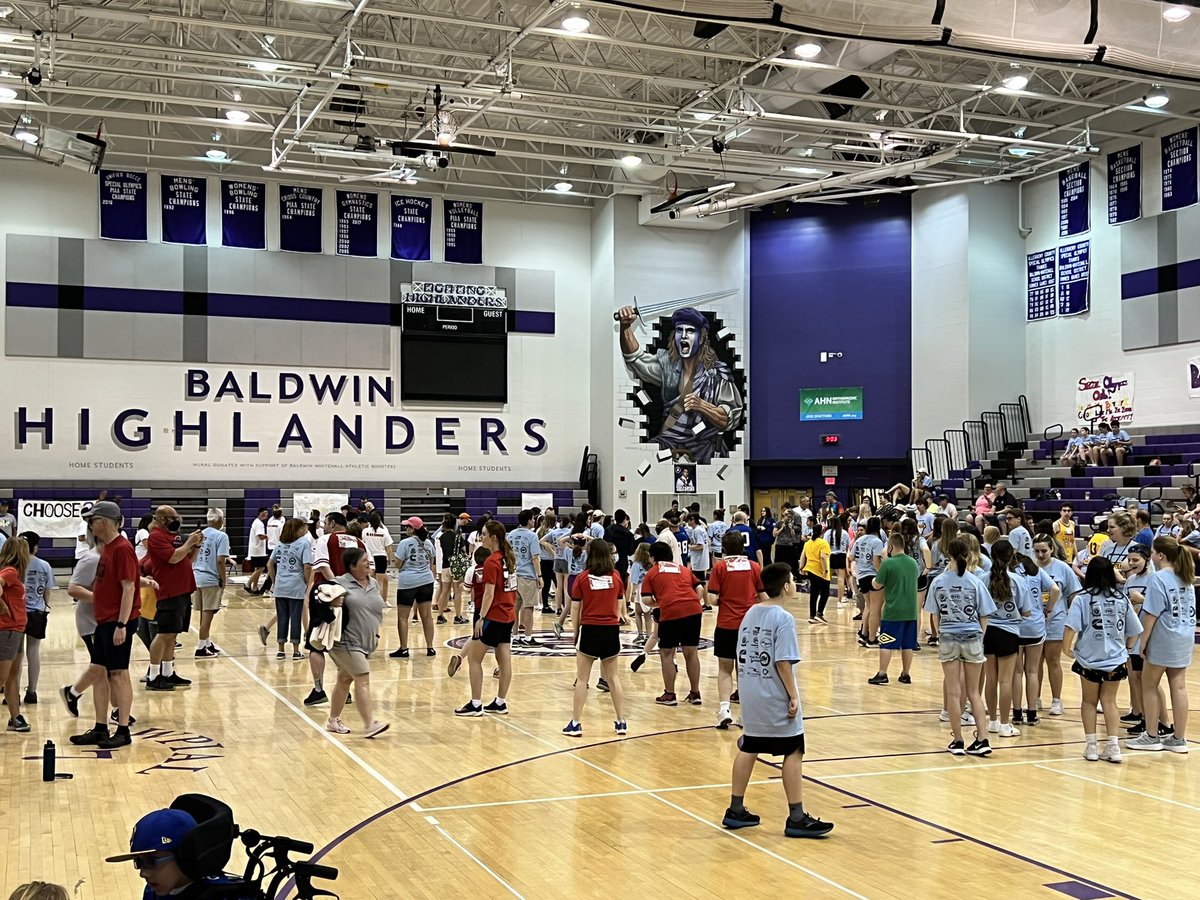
x,y
52,518
1194,377
1104,397
184,209
412,223
1074,278
464,231
300,218
1125,185
122,205
1041,274
244,214
357,220
1179,169
1074,194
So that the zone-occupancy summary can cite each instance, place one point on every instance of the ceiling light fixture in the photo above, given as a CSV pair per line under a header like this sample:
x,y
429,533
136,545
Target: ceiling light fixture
x,y
1021,151
1015,79
701,116
575,21
1156,97
5,11
563,186
7,93
631,160
237,115
807,50
263,65
216,155
7,37
1175,13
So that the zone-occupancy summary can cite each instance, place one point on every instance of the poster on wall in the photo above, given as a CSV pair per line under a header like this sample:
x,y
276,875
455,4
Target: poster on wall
x,y
357,218
1074,194
1194,377
122,205
464,231
1041,279
1104,397
1179,169
541,501
300,218
689,385
411,227
184,209
1074,278
52,518
244,214
1125,185
685,478
825,404
324,502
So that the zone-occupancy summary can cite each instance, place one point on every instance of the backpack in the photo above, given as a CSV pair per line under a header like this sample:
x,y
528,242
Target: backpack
x,y
459,561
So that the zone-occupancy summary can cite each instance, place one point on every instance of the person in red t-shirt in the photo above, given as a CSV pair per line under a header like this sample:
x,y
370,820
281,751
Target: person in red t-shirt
x,y
495,624
597,617
328,563
14,562
673,589
116,605
169,558
735,585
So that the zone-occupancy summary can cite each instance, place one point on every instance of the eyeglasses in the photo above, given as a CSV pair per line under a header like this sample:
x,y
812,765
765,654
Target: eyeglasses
x,y
150,862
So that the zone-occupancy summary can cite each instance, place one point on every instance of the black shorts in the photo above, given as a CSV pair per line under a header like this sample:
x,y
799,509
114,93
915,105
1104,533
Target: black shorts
x,y
1030,642
35,624
683,632
172,614
922,582
258,562
999,643
409,596
772,746
864,584
380,564
725,643
89,641
105,653
1136,662
599,641
837,561
1099,676
495,633
702,575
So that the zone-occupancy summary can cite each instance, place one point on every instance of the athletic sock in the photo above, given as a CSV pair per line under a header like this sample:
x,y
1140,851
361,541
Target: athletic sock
x,y
74,696
153,671
796,811
1090,738
318,686
100,726
122,730
168,668
737,803
501,700
475,701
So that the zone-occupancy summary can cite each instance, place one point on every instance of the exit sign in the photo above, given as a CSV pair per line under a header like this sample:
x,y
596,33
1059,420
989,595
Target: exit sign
x,y
830,479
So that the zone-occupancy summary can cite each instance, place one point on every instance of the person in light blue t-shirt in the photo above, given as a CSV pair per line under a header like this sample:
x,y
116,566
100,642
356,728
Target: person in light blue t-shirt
x,y
1002,639
1100,628
39,581
1056,614
210,569
767,653
1031,636
868,552
290,568
528,551
1169,622
415,561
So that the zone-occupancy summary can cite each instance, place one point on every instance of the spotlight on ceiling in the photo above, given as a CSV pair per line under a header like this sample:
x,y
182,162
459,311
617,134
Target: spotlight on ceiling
x,y
216,154
25,129
563,186
34,76
237,116
807,50
576,21
1156,97
7,37
263,65
7,93
1175,12
1015,79
631,160
701,115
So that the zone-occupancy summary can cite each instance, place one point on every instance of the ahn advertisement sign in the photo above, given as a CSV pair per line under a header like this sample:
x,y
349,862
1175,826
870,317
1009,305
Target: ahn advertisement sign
x,y
831,404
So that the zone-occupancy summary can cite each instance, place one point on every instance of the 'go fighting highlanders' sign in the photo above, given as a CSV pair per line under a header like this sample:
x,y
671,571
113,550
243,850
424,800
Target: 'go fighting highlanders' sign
x,y
129,429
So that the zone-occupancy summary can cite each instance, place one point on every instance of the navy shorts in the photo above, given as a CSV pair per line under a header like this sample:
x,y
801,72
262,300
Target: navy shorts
x,y
897,635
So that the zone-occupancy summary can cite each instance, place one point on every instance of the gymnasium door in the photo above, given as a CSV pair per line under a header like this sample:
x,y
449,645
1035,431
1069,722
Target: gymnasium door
x,y
776,497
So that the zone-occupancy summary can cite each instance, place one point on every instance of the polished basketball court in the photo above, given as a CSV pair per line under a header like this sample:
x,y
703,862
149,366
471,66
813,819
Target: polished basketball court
x,y
504,806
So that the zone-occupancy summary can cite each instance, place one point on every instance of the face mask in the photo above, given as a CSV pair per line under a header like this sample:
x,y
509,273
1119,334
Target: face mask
x,y
173,525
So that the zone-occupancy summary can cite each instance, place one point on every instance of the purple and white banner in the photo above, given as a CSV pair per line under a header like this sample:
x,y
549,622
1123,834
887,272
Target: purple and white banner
x,y
300,218
357,223
123,205
244,214
184,209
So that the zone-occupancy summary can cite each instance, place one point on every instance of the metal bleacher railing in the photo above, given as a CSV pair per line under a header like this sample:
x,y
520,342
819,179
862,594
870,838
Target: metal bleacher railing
x,y
953,456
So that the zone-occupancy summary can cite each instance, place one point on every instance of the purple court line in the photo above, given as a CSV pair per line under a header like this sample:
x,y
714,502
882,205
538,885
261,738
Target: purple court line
x,y
948,841
857,806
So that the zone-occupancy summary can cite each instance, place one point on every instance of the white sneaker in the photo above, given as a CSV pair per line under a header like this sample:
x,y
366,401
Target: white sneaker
x,y
943,716
724,718
337,726
965,719
1091,753
1111,752
993,727
1056,708
1007,730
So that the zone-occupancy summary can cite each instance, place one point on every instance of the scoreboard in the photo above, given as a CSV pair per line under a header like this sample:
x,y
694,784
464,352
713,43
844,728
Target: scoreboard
x,y
429,318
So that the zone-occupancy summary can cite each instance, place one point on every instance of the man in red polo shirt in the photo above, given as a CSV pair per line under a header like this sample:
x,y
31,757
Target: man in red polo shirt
x,y
169,559
735,585
116,605
673,589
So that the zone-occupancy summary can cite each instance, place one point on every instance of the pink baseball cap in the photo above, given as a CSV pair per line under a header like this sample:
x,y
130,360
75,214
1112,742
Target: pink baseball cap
x,y
413,521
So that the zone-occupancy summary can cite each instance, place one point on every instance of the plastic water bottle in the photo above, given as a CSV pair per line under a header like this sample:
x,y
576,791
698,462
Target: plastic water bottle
x,y
48,761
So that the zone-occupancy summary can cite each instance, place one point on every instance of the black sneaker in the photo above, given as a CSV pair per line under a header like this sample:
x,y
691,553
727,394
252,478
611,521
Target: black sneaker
x,y
117,739
91,737
1131,718
857,618
638,662
115,718
956,748
496,707
317,696
602,685
18,724
932,642
547,611
401,653
70,701
441,620
1017,716
205,653
31,698
176,680
980,748
430,652
1138,727
159,683
460,620
469,709
1165,730
905,678
808,827
1031,718
878,678
743,818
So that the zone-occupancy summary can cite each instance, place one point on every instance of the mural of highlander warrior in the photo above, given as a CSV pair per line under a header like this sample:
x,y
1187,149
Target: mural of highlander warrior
x,y
702,406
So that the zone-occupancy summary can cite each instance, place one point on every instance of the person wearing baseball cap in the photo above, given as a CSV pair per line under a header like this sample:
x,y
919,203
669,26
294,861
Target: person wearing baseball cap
x,y
416,572
155,850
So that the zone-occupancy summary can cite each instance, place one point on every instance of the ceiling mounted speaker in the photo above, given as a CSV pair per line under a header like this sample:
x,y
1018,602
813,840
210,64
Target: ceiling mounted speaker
x,y
706,31
851,86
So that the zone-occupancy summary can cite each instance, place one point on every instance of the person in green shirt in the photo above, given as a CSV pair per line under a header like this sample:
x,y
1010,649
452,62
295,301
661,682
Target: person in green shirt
x,y
897,578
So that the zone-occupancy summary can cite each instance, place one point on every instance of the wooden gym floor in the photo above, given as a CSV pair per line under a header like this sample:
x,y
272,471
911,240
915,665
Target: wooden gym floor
x,y
504,806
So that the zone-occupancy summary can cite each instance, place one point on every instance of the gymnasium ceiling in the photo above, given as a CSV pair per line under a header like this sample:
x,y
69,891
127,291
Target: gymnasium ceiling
x,y
316,79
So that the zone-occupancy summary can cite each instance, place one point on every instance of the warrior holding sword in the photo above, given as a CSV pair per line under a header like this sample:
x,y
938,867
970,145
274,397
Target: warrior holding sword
x,y
700,400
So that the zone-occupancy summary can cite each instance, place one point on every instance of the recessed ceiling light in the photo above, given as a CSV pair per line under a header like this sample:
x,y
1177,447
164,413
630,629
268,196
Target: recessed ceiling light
x,y
575,21
1156,97
237,115
631,160
216,155
702,116
807,50
1015,79
7,93
1021,151
562,186
264,66
1175,13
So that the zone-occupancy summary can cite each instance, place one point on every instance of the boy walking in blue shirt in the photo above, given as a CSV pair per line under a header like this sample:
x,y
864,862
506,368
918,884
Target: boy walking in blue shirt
x,y
770,700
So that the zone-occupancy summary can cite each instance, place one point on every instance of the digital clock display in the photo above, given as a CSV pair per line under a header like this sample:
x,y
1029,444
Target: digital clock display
x,y
831,440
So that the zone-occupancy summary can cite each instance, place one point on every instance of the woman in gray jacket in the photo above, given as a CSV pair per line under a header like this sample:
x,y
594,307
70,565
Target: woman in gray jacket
x,y
362,616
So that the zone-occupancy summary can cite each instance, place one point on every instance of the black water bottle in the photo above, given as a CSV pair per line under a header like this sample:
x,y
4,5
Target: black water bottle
x,y
48,761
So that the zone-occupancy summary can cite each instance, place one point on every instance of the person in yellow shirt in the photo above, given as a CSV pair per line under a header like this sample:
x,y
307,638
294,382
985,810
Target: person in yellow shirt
x,y
1064,533
816,567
